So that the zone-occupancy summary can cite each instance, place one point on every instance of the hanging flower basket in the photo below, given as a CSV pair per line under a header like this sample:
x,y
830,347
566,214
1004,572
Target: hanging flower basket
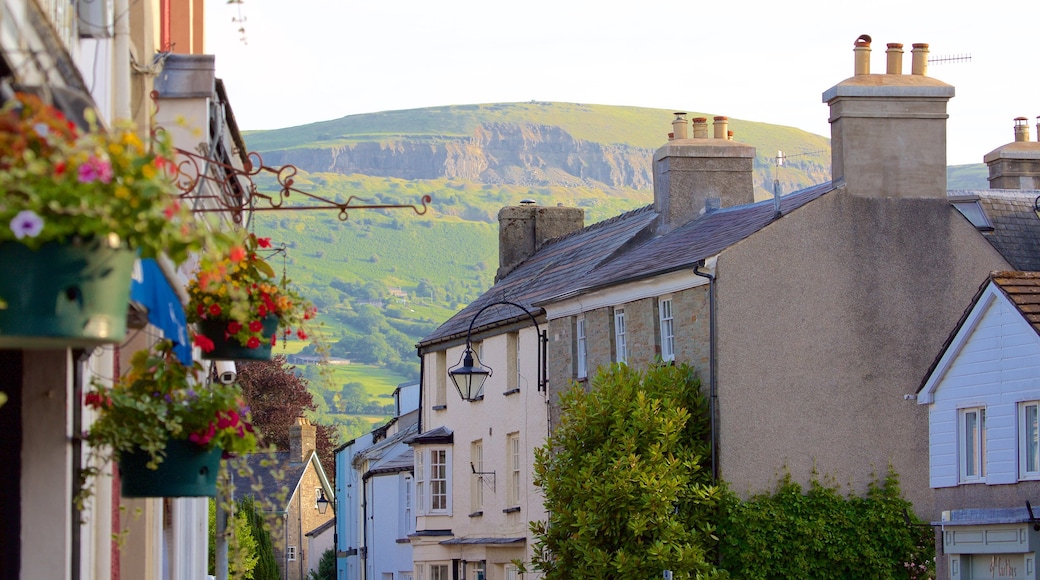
x,y
225,346
64,294
187,471
238,304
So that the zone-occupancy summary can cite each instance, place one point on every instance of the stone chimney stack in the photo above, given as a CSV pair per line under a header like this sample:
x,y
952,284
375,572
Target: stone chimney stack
x,y
692,176
523,229
888,131
302,437
1017,164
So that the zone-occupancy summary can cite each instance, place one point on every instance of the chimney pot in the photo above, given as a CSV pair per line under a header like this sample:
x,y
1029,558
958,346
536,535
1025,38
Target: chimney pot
x,y
729,135
721,127
700,127
862,52
919,59
679,126
1021,129
895,58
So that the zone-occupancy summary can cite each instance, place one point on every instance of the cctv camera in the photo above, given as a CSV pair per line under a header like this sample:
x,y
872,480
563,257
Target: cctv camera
x,y
226,372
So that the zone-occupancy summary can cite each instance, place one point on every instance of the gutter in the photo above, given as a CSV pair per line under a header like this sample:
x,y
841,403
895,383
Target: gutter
x,y
713,397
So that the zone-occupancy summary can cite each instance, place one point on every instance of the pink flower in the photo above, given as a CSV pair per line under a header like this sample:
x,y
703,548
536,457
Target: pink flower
x,y
226,419
26,223
204,438
95,170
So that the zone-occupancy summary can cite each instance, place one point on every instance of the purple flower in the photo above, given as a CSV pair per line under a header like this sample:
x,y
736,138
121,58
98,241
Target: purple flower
x,y
191,394
26,223
42,130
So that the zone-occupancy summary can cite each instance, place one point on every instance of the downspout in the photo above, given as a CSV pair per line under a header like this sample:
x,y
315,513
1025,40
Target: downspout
x,y
363,550
121,61
713,403
422,379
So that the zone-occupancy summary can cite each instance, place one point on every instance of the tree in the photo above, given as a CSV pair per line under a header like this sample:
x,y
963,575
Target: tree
x,y
276,397
326,567
266,565
242,545
627,480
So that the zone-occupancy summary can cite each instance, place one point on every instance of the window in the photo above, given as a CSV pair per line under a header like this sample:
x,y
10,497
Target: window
x,y
972,444
477,456
439,572
667,332
511,572
512,362
620,347
407,515
513,455
420,482
290,553
438,480
1029,440
579,333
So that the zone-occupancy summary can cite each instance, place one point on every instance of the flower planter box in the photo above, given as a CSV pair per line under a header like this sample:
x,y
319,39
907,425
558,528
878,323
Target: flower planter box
x,y
187,471
64,295
228,348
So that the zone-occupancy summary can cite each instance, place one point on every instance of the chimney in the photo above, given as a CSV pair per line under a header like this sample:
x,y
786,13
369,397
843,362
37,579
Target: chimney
x,y
301,440
697,175
862,51
919,59
1015,165
1021,129
679,126
721,127
888,132
523,229
895,58
700,127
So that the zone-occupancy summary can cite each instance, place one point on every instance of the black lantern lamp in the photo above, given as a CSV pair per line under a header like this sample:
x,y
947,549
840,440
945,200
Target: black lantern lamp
x,y
323,502
469,375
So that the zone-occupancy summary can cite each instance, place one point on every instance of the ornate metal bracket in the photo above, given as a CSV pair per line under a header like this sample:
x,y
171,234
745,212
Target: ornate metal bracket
x,y
234,191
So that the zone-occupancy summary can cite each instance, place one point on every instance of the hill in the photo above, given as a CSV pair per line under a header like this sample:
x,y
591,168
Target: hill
x,y
383,279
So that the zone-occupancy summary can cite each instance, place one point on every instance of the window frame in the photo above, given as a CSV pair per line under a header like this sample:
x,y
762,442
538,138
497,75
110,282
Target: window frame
x,y
440,571
408,505
477,494
444,493
1024,455
971,449
581,361
667,326
515,458
620,341
290,553
420,482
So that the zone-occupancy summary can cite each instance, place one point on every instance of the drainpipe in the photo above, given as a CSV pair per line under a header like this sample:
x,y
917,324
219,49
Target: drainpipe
x,y
363,549
121,62
422,379
713,403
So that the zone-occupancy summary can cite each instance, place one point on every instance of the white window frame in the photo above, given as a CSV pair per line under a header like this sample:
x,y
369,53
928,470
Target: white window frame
x,y
582,364
407,497
512,361
511,572
440,383
420,482
440,480
477,456
443,571
1029,440
971,444
620,344
515,457
667,319
290,553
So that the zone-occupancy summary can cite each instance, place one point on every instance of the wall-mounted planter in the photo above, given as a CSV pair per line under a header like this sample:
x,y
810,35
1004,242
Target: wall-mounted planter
x,y
228,348
64,295
187,471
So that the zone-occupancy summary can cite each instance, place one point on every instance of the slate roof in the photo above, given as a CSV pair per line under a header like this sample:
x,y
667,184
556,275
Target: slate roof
x,y
619,249
262,484
1016,227
1023,289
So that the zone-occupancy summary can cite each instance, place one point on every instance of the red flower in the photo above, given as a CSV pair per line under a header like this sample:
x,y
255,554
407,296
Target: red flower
x,y
201,310
204,343
263,242
203,438
261,310
234,326
59,168
256,326
226,419
94,399
301,334
237,254
253,342
214,309
274,339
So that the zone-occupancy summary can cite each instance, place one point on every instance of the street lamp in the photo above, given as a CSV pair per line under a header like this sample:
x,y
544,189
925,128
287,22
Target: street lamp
x,y
323,502
469,375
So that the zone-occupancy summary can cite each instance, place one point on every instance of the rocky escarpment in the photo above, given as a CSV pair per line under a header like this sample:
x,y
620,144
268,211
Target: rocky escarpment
x,y
502,153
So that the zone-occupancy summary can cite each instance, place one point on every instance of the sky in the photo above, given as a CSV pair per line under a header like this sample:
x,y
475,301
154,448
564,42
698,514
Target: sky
x,y
307,61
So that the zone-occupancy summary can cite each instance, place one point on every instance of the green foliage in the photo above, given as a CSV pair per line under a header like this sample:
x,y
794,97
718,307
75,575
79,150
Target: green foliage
x,y
626,479
822,534
326,567
242,546
266,564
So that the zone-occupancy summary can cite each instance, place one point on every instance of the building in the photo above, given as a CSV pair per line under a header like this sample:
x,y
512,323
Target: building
x,y
810,317
81,55
286,486
375,485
